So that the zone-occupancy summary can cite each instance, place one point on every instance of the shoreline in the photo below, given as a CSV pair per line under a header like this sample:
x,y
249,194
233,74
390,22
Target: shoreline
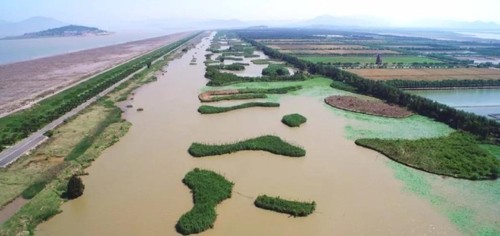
x,y
451,88
24,83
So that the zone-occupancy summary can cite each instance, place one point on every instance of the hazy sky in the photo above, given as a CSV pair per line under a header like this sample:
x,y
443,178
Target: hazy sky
x,y
112,11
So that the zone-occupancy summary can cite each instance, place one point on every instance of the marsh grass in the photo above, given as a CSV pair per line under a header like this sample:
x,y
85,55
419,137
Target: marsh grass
x,y
293,120
458,155
209,189
280,205
268,143
204,109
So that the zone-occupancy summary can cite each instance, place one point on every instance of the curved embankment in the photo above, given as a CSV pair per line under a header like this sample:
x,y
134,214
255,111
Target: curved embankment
x,y
457,155
209,189
266,143
280,205
204,109
237,94
370,107
293,120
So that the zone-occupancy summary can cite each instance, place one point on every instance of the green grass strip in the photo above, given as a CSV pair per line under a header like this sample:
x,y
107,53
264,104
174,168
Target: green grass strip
x,y
238,97
204,109
209,189
33,189
293,120
458,155
343,86
277,204
267,143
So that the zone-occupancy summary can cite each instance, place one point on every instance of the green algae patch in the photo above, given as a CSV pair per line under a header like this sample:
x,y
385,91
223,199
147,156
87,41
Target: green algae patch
x,y
209,189
457,155
268,143
277,204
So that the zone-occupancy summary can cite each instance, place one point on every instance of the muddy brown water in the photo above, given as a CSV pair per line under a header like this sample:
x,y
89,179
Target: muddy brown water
x,y
135,187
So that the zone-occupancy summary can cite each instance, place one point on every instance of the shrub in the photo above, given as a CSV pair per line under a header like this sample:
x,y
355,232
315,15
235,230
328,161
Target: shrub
x,y
277,204
293,120
75,187
267,143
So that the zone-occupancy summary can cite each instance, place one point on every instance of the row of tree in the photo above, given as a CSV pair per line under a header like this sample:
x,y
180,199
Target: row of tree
x,y
478,125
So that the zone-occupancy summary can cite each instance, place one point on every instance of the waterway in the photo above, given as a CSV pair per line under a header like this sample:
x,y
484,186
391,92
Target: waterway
x,y
27,49
135,187
479,101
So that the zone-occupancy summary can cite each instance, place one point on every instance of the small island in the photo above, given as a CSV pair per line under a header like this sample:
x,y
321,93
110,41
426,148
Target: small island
x,y
65,31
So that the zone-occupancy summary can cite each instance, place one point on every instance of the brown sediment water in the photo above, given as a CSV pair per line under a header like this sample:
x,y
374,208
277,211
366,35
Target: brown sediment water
x,y
135,187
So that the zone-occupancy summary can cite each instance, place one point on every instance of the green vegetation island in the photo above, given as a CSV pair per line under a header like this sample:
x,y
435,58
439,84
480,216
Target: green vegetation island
x,y
204,109
65,31
209,189
293,120
457,155
268,143
280,205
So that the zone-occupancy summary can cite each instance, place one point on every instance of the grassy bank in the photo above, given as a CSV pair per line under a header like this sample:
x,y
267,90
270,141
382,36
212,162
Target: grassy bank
x,y
209,189
204,109
45,202
457,155
293,120
277,204
267,143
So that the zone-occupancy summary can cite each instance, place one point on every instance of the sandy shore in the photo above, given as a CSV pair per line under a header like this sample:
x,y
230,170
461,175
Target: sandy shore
x,y
22,83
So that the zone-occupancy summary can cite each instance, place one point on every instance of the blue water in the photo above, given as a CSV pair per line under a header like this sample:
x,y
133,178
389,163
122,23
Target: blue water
x,y
28,49
479,101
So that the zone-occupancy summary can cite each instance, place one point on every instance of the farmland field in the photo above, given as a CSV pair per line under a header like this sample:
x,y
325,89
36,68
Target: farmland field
x,y
428,74
312,46
341,51
368,59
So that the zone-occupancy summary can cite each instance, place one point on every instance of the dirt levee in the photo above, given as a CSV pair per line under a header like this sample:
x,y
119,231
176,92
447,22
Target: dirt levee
x,y
24,82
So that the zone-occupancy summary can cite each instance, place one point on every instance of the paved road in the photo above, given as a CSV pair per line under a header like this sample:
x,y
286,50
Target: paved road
x,y
13,153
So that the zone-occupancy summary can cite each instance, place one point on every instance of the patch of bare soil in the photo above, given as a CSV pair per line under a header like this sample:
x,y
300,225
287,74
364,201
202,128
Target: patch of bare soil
x,y
23,83
365,106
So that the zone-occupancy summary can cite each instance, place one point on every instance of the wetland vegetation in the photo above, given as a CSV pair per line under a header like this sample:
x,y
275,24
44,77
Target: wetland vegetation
x,y
208,189
458,155
277,204
268,143
293,120
204,109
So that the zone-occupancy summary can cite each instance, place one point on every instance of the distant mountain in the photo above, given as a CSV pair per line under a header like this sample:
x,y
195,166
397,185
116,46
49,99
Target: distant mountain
x,y
33,24
3,22
65,31
344,21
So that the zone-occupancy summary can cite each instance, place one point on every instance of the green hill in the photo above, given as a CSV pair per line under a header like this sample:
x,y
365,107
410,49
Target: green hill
x,y
65,31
